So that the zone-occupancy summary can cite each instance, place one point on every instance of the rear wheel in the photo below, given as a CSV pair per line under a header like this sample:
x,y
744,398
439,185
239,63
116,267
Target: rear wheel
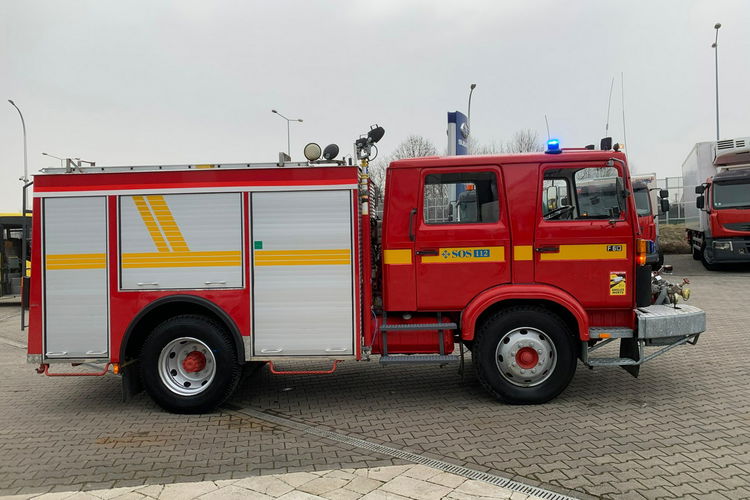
x,y
524,355
189,364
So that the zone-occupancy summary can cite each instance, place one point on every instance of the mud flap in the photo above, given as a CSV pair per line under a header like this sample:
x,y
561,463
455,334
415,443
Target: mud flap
x,y
629,350
131,381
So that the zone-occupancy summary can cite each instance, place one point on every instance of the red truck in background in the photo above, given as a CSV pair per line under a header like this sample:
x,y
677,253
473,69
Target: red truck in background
x,y
716,192
649,199
176,276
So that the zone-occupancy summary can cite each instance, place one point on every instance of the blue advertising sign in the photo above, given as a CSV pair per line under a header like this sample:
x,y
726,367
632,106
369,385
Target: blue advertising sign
x,y
458,134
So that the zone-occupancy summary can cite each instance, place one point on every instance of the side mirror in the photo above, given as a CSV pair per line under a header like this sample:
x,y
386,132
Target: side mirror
x,y
700,202
664,205
700,189
663,193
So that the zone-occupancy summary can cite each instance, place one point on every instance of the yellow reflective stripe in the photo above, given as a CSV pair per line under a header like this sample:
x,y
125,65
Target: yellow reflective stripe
x,y
466,254
182,259
167,223
598,251
397,256
329,257
523,252
342,251
150,223
76,261
302,262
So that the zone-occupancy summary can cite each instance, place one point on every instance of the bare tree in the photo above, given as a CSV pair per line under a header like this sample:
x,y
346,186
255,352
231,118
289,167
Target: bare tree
x,y
525,141
414,146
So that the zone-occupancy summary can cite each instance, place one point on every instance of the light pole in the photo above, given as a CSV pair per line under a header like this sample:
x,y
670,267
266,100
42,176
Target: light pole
x,y
715,46
288,133
25,226
25,177
62,160
471,91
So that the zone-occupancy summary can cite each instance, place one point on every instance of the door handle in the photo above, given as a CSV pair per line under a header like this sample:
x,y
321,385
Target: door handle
x,y
548,249
271,351
431,252
413,212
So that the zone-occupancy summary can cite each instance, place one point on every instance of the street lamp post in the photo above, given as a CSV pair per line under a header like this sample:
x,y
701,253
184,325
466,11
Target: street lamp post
x,y
288,132
62,160
25,226
25,177
715,46
471,91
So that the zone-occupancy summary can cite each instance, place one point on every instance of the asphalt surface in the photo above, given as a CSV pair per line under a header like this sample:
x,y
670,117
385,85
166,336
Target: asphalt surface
x,y
681,430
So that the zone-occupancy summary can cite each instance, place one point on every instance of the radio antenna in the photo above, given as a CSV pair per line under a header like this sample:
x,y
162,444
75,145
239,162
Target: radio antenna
x,y
545,121
609,103
622,91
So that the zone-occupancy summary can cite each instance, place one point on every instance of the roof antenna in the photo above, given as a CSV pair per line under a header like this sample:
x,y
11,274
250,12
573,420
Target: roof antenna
x,y
624,132
609,103
545,121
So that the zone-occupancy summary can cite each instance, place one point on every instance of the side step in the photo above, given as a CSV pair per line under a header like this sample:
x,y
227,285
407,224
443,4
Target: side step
x,y
424,359
423,326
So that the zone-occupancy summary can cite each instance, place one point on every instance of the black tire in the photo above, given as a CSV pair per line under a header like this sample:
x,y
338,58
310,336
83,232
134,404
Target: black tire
x,y
696,254
707,261
511,323
659,263
220,351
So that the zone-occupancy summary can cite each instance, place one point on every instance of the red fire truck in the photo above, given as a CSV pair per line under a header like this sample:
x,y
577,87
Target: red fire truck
x,y
174,277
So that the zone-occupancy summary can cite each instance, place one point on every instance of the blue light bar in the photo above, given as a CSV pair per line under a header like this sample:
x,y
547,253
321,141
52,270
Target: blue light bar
x,y
553,147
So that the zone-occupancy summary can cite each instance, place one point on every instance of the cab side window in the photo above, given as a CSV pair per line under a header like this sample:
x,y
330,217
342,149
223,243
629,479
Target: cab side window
x,y
461,198
584,193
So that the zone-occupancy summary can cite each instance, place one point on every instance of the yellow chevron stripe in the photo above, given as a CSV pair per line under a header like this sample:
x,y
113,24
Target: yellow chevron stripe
x,y
151,226
167,223
76,261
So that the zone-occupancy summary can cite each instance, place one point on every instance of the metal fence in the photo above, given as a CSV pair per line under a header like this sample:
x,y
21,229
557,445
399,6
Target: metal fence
x,y
676,214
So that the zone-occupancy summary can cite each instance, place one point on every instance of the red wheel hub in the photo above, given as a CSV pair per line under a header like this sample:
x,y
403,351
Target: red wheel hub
x,y
527,358
194,362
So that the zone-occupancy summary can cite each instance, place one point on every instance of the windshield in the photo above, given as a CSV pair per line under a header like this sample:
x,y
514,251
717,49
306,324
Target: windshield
x,y
642,202
731,196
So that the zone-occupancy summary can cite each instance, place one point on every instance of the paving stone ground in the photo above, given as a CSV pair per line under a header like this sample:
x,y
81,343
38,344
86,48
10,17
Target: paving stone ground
x,y
681,430
397,482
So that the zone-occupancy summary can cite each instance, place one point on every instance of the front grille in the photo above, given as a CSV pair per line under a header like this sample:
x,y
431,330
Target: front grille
x,y
737,226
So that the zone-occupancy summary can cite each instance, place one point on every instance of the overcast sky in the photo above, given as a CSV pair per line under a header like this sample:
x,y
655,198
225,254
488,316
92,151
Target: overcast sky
x,y
144,82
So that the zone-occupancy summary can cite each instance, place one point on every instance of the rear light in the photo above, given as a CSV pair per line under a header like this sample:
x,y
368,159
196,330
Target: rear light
x,y
642,249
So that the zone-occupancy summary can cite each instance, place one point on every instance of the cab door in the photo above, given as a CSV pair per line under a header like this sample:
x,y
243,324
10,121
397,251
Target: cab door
x,y
583,241
462,237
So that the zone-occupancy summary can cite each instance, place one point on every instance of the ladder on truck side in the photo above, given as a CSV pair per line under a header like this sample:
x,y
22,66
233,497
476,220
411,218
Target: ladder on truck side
x,y
435,359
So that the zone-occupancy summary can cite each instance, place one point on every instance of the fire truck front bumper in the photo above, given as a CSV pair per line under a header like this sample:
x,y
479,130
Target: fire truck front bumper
x,y
663,326
656,323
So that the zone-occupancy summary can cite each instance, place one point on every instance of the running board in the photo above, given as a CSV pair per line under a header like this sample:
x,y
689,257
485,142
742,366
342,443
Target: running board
x,y
423,326
424,359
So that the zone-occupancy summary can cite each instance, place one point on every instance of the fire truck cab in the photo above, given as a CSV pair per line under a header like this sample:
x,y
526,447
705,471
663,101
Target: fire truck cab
x,y
175,276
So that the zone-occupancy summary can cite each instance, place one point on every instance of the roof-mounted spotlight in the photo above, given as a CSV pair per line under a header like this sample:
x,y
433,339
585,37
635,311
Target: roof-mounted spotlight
x,y
330,152
312,151
376,133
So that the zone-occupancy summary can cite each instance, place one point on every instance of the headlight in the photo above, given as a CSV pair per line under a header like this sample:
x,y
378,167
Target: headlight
x,y
723,245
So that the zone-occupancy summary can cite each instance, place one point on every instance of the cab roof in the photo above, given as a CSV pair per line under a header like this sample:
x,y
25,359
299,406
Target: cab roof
x,y
567,155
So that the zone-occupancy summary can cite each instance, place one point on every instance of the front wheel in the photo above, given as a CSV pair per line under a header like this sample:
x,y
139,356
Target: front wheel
x,y
189,364
524,355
